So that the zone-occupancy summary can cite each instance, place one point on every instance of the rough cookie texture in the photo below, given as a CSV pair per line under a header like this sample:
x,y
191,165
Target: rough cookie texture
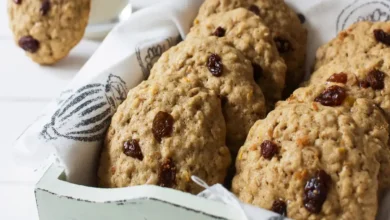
x,y
361,37
248,34
47,30
353,92
325,166
360,71
287,31
161,135
216,65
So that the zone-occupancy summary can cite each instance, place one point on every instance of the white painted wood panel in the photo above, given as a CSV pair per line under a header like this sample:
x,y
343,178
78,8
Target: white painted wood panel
x,y
25,89
17,202
15,116
22,78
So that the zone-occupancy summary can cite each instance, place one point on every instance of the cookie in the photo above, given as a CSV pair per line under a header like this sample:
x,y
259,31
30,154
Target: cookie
x,y
309,161
361,37
287,31
366,76
218,66
346,94
48,29
161,135
248,34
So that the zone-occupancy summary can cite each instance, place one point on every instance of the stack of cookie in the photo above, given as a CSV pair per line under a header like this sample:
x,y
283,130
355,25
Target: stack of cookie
x,y
203,96
323,153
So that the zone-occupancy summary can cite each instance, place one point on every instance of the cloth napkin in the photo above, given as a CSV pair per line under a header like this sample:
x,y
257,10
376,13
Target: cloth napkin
x,y
72,127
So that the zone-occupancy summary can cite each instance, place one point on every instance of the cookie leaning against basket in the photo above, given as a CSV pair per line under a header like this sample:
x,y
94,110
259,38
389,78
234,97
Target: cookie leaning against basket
x,y
248,34
287,31
362,76
362,37
48,30
218,66
162,134
311,161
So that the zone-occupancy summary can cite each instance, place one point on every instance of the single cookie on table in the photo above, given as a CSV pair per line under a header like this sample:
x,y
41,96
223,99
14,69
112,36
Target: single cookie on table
x,y
345,90
220,67
248,34
310,161
287,31
48,29
362,37
164,133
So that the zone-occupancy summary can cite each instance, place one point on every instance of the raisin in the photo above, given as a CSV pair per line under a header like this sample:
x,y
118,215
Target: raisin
x,y
219,32
283,45
375,79
29,44
162,125
316,191
215,65
268,149
167,174
45,7
301,17
257,71
18,2
279,206
382,36
254,9
132,149
364,84
338,78
332,96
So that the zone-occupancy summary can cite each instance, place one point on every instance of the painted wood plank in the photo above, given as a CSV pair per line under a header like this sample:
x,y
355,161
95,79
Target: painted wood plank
x,y
23,78
4,30
18,202
15,117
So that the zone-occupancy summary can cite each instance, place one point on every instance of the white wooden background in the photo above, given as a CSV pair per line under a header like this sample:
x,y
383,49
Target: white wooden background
x,y
25,89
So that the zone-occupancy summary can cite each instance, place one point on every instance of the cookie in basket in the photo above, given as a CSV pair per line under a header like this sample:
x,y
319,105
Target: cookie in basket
x,y
218,66
47,30
162,134
362,37
365,75
310,161
287,31
346,94
248,34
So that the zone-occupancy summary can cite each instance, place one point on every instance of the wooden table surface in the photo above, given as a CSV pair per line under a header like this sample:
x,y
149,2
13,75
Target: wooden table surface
x,y
25,89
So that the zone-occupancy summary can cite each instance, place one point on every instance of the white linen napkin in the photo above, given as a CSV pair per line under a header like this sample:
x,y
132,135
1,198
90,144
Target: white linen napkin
x,y
73,126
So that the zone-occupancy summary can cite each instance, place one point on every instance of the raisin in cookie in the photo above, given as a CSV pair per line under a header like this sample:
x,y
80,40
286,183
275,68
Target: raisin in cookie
x,y
313,161
249,35
218,66
162,134
346,94
365,75
362,37
287,31
48,29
